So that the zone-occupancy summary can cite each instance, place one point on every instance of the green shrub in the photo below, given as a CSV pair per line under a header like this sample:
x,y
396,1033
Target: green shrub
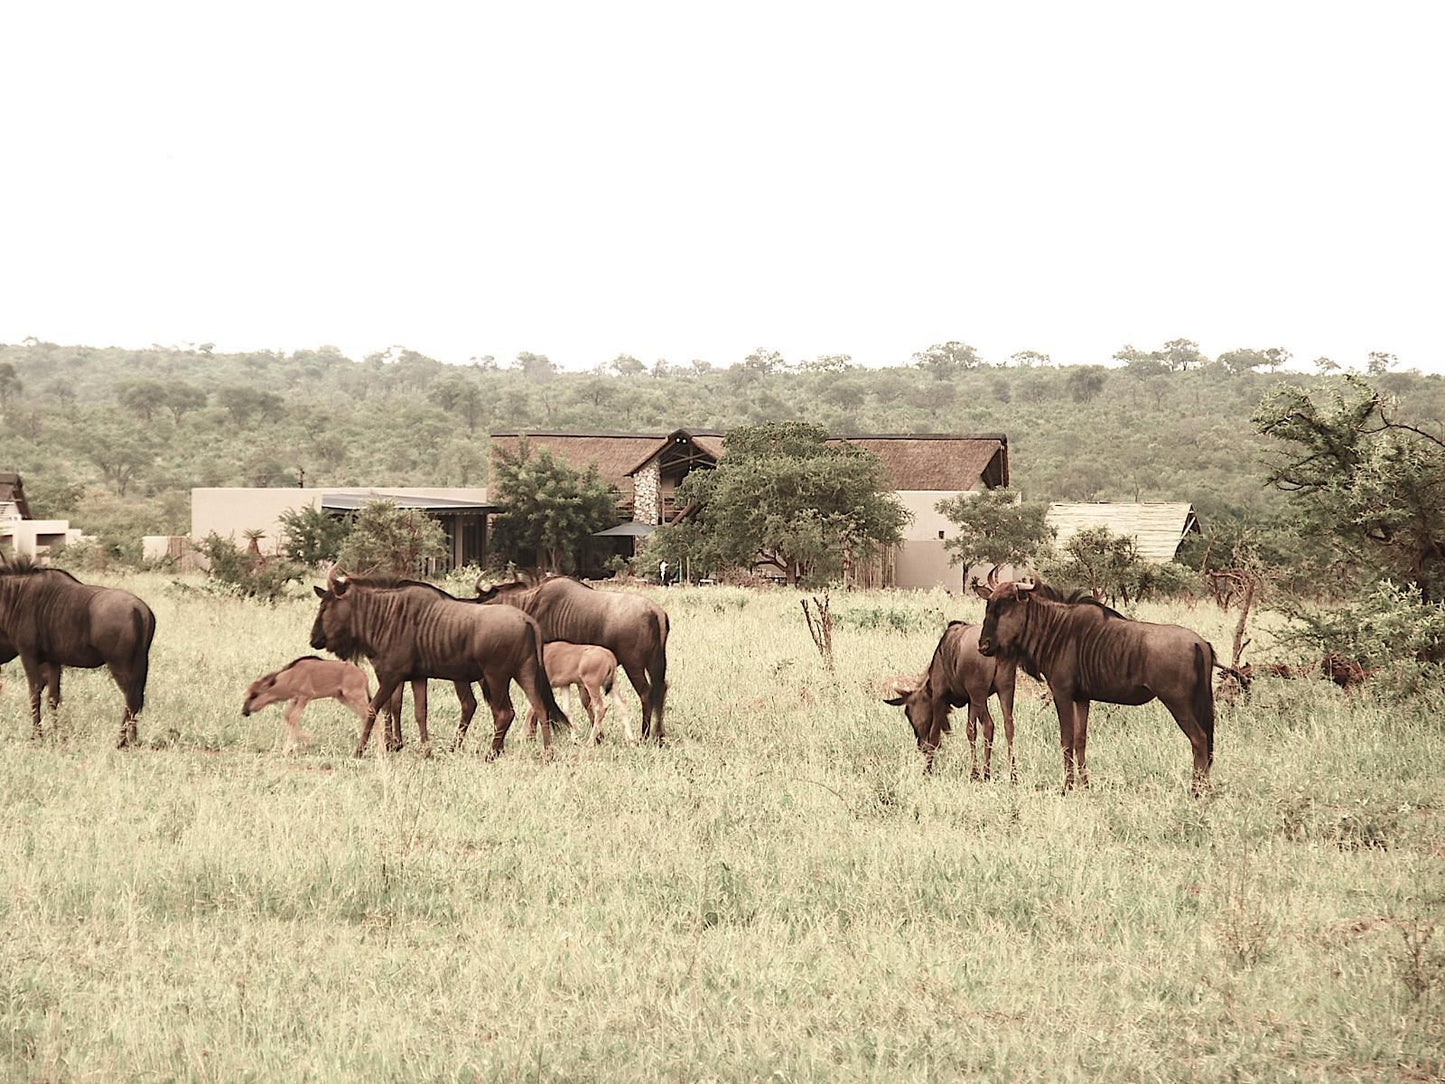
x,y
248,575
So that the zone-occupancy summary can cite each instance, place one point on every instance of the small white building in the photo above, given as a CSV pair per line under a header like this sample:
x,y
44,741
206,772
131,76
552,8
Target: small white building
x,y
22,536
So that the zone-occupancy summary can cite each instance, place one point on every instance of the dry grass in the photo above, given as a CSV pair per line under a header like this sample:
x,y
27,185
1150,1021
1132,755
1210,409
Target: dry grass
x,y
778,894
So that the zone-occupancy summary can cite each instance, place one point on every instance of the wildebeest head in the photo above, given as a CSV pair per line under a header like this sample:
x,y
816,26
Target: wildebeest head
x,y
915,697
260,694
332,629
1005,616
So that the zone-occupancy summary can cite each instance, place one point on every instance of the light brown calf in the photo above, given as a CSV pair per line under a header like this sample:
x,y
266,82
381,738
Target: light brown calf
x,y
306,679
593,670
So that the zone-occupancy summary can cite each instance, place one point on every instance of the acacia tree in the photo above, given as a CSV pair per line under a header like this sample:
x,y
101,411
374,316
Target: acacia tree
x,y
390,541
1372,484
996,528
549,511
782,496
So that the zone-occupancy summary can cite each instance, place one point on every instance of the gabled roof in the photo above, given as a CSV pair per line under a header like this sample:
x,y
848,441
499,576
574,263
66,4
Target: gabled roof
x,y
708,441
1158,526
12,491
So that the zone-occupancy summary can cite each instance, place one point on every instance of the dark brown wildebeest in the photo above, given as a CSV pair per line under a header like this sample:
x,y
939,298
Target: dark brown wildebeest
x,y
52,620
1087,652
412,630
304,680
959,676
630,626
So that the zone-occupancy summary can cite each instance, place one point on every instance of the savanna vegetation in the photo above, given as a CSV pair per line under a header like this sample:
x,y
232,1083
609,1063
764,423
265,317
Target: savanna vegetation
x,y
779,893
114,438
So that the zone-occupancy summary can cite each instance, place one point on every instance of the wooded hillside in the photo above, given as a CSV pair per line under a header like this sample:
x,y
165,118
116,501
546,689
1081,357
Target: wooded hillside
x,y
115,438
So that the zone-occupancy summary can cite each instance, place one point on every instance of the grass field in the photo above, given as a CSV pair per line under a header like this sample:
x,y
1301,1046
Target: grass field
x,y
777,894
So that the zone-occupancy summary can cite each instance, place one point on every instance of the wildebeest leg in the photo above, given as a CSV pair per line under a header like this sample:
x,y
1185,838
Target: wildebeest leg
x,y
1064,705
620,703
385,688
52,679
972,731
294,736
988,731
120,673
594,702
35,677
1005,690
469,708
391,727
637,674
419,705
1081,740
1199,741
498,692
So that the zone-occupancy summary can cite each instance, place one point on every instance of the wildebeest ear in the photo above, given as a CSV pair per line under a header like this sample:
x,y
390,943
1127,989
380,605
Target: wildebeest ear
x,y
342,583
983,590
895,701
320,591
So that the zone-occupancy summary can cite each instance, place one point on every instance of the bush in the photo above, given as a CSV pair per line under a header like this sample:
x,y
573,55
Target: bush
x,y
313,536
247,575
389,541
1388,629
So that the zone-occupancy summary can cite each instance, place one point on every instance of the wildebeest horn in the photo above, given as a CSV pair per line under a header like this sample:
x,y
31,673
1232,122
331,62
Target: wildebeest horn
x,y
992,580
1025,585
331,576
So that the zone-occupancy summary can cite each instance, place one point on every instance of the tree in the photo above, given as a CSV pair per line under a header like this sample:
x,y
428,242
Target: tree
x,y
1106,564
943,361
828,363
1028,359
181,398
995,527
549,511
535,367
385,540
245,402
1371,484
1085,382
312,536
1181,355
461,396
626,365
141,397
783,496
119,452
1246,359
10,385
1380,363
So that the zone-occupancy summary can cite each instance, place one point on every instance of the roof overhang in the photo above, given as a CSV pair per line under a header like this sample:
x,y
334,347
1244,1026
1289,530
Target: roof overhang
x,y
354,502
630,529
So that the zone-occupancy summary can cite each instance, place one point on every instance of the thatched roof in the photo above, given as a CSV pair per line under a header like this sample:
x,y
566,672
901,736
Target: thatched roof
x,y
1157,526
12,491
912,461
939,461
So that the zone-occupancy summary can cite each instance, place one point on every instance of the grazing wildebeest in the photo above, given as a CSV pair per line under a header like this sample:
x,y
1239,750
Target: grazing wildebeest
x,y
630,626
593,670
412,630
304,680
1086,652
51,620
959,676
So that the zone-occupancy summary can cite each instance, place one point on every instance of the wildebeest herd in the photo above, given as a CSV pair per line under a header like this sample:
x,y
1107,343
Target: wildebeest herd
x,y
561,632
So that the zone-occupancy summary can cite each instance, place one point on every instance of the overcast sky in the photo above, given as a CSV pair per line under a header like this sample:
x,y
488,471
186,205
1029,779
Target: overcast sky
x,y
693,181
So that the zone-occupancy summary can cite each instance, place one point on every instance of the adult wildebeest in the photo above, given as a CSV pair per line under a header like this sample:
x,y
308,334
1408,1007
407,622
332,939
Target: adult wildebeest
x,y
51,620
630,626
1086,652
960,676
412,630
593,670
304,680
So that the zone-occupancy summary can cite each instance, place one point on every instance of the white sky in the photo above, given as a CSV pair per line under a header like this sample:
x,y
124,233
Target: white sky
x,y
692,181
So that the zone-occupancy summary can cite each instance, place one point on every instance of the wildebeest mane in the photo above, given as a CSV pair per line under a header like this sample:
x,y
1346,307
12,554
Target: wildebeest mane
x,y
1083,597
25,566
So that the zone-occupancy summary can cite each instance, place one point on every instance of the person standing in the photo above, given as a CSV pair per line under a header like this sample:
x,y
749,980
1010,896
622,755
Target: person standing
x,y
662,572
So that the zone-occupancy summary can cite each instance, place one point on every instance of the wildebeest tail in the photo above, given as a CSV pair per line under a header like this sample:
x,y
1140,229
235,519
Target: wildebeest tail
x,y
554,711
657,672
143,626
1204,693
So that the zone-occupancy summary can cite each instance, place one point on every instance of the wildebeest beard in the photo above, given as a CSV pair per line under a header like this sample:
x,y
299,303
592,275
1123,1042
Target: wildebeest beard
x,y
1024,659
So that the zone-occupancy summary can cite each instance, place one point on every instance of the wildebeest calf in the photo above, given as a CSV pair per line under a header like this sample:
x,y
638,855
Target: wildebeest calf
x,y
593,670
960,676
304,680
